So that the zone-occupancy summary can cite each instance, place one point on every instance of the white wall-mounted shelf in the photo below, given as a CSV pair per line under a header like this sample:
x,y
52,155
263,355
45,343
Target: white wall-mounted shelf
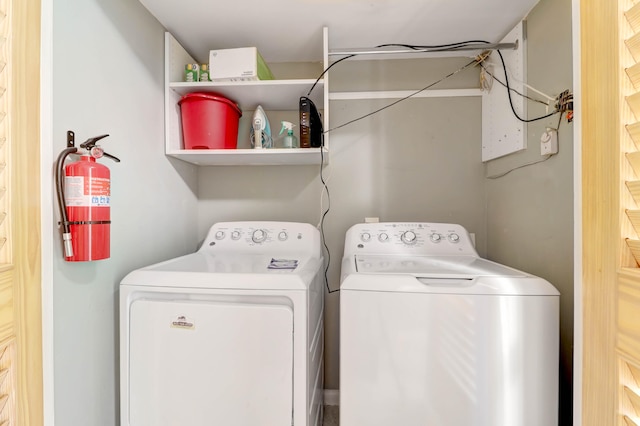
x,y
274,95
281,95
251,157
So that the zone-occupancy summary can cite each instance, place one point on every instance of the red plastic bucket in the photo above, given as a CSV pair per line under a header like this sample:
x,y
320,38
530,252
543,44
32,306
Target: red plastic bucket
x,y
209,121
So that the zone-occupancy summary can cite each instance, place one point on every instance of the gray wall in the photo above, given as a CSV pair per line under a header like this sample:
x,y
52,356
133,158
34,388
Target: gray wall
x,y
530,210
416,161
108,78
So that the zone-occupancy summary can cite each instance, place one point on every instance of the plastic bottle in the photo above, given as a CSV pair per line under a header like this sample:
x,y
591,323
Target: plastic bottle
x,y
204,73
289,140
192,72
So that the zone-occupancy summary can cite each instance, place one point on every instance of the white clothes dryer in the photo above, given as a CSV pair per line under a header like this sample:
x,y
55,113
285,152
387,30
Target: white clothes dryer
x,y
230,335
432,334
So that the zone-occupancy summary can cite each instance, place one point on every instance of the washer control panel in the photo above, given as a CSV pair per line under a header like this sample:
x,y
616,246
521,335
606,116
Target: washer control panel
x,y
409,238
267,237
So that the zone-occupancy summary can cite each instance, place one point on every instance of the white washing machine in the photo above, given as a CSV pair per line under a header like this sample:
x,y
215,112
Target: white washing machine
x,y
230,335
433,335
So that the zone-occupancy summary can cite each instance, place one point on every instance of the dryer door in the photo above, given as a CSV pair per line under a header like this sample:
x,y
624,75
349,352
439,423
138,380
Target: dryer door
x,y
203,363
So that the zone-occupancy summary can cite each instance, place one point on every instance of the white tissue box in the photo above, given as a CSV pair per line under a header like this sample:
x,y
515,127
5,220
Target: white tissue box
x,y
241,64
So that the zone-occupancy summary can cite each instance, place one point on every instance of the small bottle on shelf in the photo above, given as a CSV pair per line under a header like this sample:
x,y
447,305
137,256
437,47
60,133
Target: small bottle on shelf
x,y
191,73
288,140
204,73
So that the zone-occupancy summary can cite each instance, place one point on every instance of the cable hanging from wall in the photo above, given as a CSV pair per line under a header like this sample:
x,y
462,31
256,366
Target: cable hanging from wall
x,y
563,104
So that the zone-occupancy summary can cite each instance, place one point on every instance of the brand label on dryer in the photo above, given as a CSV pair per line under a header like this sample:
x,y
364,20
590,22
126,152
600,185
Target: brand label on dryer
x,y
183,322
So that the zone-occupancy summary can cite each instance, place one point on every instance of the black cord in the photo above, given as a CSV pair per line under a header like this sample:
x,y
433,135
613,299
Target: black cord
x,y
325,71
557,129
324,215
436,47
506,79
403,99
512,89
432,48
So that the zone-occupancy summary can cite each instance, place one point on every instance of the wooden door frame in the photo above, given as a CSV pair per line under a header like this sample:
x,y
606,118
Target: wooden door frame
x,y
25,142
48,231
577,226
598,248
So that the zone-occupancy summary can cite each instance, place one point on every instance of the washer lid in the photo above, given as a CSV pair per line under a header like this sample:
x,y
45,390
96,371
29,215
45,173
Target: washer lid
x,y
433,266
216,271
469,275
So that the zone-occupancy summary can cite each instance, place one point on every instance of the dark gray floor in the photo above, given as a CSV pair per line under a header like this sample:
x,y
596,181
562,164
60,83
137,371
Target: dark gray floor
x,y
331,415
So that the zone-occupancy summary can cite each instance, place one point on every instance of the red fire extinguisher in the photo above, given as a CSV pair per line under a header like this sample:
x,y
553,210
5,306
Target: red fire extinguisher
x,y
84,198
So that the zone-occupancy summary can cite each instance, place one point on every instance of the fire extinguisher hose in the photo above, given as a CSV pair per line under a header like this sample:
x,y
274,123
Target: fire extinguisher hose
x,y
66,233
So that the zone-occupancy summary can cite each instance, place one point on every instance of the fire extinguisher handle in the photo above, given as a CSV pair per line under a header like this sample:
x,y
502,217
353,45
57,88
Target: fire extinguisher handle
x,y
91,142
113,157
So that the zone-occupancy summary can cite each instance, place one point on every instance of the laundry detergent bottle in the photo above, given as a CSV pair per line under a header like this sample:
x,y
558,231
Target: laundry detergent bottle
x,y
288,140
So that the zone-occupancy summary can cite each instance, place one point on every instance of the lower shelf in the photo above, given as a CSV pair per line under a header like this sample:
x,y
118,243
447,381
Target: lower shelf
x,y
251,157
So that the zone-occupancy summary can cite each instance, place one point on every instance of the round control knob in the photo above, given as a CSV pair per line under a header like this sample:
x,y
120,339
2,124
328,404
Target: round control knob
x,y
436,238
219,235
235,235
282,236
454,238
365,236
409,237
383,237
258,236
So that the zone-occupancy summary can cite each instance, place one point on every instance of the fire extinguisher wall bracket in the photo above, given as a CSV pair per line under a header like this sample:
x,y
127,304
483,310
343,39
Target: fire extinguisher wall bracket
x,y
84,193
71,139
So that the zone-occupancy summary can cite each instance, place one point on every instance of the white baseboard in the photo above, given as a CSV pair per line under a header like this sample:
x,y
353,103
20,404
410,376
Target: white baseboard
x,y
331,397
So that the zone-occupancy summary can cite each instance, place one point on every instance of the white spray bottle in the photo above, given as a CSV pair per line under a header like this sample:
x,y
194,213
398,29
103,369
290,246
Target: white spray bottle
x,y
289,140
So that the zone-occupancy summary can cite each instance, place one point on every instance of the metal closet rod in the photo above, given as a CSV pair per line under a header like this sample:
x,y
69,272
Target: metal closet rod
x,y
391,50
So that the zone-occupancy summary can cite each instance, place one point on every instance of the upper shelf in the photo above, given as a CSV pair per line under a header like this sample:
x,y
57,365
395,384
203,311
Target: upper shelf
x,y
282,95
272,95
252,157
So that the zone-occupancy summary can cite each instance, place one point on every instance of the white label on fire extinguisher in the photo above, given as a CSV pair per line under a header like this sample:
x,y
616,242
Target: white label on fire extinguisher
x,y
93,192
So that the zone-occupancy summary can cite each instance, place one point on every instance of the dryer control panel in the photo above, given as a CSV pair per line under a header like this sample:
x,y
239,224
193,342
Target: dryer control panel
x,y
263,237
416,238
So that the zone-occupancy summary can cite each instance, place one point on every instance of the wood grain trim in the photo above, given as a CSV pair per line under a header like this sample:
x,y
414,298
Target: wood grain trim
x,y
634,217
628,336
6,312
634,189
633,44
25,160
7,300
634,100
634,398
634,75
7,387
634,160
601,187
633,17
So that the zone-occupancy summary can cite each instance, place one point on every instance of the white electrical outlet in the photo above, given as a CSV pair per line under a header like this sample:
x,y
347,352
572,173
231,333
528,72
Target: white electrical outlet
x,y
549,142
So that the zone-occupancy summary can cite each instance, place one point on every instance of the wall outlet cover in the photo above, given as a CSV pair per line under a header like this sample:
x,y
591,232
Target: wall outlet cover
x,y
549,142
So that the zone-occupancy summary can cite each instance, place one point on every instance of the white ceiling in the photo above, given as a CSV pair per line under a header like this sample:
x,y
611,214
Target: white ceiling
x,y
291,30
